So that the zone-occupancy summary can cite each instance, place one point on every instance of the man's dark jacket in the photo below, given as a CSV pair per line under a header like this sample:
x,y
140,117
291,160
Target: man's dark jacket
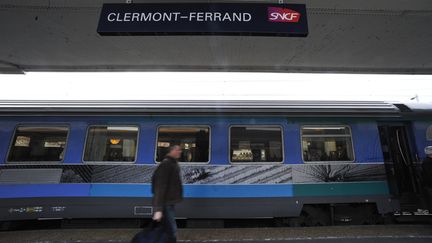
x,y
167,186
427,172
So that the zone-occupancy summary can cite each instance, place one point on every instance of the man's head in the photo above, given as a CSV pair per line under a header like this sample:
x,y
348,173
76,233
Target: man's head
x,y
428,151
175,152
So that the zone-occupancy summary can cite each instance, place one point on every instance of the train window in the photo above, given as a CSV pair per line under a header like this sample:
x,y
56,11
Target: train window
x,y
327,143
111,143
429,133
256,144
194,141
38,143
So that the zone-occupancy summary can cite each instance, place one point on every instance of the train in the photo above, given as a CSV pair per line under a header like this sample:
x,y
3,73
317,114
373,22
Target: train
x,y
300,162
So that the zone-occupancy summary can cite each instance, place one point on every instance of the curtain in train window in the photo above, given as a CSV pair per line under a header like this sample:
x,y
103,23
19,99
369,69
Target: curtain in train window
x,y
429,133
194,141
38,144
111,143
256,144
327,143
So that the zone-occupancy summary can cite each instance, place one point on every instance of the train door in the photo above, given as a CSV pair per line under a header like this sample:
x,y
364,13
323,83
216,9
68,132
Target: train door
x,y
399,157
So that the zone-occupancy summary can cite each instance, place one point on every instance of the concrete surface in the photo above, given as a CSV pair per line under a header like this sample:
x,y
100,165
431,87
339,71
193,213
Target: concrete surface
x,y
337,234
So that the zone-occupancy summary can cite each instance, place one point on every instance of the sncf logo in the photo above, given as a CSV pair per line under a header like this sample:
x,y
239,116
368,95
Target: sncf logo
x,y
282,15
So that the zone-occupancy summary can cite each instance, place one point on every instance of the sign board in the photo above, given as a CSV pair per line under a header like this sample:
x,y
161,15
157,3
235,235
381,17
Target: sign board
x,y
257,19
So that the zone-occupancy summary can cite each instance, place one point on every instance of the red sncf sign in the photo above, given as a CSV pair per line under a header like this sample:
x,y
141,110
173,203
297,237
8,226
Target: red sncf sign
x,y
276,14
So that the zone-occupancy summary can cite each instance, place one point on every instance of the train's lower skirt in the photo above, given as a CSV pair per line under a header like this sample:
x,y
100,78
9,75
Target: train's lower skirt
x,y
33,201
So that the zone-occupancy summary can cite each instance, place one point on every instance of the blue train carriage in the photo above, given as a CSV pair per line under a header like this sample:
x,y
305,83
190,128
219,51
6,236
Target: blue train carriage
x,y
311,161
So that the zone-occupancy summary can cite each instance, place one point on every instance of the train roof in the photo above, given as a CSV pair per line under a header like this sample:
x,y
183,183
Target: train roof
x,y
214,107
419,107
415,110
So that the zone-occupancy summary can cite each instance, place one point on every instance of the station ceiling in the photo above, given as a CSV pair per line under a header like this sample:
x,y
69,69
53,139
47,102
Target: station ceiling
x,y
353,36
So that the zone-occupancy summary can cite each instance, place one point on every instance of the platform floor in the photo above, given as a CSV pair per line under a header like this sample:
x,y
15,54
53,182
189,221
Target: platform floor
x,y
336,234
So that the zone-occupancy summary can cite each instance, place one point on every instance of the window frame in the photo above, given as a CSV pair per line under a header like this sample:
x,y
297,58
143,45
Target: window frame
x,y
111,162
251,162
330,161
429,132
66,125
184,125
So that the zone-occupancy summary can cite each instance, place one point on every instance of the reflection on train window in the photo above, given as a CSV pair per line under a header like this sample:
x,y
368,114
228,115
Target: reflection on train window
x,y
111,143
194,141
429,133
38,144
256,144
327,143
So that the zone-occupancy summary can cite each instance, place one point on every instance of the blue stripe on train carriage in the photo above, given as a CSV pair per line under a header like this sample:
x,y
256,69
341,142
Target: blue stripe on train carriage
x,y
142,190
44,190
197,191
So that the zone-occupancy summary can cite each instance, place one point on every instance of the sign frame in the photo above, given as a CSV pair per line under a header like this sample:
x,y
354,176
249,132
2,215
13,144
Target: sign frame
x,y
222,19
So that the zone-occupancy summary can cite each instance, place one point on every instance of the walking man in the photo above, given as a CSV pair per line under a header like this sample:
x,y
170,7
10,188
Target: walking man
x,y
167,190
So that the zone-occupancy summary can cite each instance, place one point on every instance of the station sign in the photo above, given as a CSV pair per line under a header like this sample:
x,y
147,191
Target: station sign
x,y
256,19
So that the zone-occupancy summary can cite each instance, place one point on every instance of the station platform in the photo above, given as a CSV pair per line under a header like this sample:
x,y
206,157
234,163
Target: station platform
x,y
338,234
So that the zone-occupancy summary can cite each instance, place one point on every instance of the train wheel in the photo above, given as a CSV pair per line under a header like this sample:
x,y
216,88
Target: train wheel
x,y
356,214
312,215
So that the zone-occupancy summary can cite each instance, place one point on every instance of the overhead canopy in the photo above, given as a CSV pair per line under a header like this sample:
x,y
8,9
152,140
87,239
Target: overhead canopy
x,y
360,36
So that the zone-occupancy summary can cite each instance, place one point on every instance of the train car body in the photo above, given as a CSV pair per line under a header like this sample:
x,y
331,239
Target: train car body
x,y
242,159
